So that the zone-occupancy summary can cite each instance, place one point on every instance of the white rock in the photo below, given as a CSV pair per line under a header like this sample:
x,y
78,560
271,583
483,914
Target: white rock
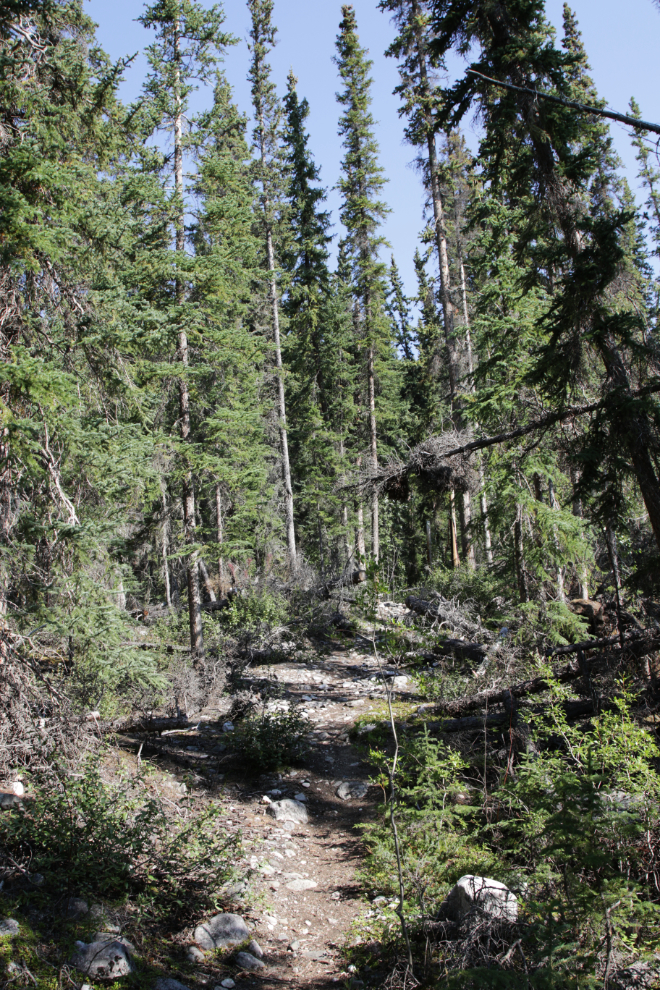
x,y
266,800
227,983
299,885
247,961
352,789
287,810
400,683
8,927
483,894
221,932
228,727
194,955
102,960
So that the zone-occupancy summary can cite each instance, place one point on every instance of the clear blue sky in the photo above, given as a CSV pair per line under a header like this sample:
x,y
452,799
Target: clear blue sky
x,y
622,41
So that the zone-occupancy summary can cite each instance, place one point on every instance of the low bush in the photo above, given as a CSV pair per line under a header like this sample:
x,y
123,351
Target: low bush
x,y
272,739
87,837
574,832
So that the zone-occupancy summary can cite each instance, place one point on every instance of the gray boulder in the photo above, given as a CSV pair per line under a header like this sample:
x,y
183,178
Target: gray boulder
x,y
8,926
287,810
102,960
247,961
194,955
352,790
490,897
221,932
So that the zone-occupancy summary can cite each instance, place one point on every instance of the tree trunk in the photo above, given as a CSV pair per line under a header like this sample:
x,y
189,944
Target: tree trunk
x,y
207,580
166,566
583,577
453,543
284,440
429,544
554,505
466,529
373,442
194,596
219,530
519,553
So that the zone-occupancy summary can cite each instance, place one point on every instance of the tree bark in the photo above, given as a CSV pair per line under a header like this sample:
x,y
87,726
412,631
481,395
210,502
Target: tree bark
x,y
373,443
519,553
188,494
453,543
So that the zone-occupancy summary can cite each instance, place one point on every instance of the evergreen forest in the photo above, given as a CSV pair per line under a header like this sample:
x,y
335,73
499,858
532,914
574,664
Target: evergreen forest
x,y
246,474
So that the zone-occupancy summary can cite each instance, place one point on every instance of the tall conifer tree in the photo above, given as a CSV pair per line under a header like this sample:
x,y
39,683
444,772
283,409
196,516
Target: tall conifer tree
x,y
362,214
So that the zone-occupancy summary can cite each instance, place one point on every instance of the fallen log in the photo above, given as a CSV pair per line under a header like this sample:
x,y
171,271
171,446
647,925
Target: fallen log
x,y
497,695
462,650
155,725
477,723
633,638
154,745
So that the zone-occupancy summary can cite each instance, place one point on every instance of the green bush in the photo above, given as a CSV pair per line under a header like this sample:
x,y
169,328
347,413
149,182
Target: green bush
x,y
87,837
256,610
271,740
574,833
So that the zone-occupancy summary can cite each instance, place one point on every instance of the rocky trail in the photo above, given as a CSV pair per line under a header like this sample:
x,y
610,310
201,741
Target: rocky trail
x,y
301,845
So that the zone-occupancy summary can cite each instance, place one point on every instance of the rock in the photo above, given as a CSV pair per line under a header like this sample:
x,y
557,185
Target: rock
x,y
97,912
76,907
400,683
194,955
227,983
227,726
167,983
352,790
221,932
379,901
113,937
9,927
480,894
102,960
641,975
366,728
255,949
300,797
287,810
9,800
299,885
247,961
593,611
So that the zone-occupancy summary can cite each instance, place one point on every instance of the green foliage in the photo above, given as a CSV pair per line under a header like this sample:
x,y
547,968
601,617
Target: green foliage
x,y
86,836
271,740
256,610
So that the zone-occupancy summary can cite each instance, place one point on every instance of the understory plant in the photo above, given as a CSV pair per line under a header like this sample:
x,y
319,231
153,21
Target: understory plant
x,y
269,740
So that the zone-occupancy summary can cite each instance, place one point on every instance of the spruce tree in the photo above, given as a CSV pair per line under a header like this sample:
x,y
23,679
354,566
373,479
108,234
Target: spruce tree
x,y
188,42
362,214
269,177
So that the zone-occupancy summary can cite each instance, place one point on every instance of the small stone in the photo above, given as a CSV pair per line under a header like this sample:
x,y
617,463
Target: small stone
x,y
228,984
300,797
266,800
76,907
379,901
352,790
194,955
102,960
288,810
228,727
335,896
167,983
255,949
247,961
297,886
400,683
221,932
295,945
8,926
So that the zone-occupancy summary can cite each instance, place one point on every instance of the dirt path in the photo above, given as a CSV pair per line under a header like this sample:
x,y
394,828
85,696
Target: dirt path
x,y
302,931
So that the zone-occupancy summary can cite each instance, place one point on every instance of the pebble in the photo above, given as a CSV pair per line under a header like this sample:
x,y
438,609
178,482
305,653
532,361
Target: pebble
x,y
297,886
247,961
228,984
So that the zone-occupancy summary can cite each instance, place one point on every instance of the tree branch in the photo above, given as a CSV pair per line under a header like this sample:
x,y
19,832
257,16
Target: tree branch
x,y
622,118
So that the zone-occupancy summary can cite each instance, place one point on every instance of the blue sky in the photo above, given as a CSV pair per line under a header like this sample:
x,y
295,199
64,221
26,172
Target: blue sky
x,y
622,42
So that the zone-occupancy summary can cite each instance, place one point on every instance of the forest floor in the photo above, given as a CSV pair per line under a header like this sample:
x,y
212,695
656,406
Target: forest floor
x,y
304,935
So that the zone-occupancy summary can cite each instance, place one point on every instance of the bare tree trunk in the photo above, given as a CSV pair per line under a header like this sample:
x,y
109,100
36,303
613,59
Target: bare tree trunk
x,y
429,544
466,530
207,580
484,516
453,543
220,532
554,505
194,595
166,566
583,577
373,440
519,553
284,440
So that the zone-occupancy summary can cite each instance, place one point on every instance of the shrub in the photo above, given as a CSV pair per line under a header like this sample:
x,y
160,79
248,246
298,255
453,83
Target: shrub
x,y
273,739
85,836
256,610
